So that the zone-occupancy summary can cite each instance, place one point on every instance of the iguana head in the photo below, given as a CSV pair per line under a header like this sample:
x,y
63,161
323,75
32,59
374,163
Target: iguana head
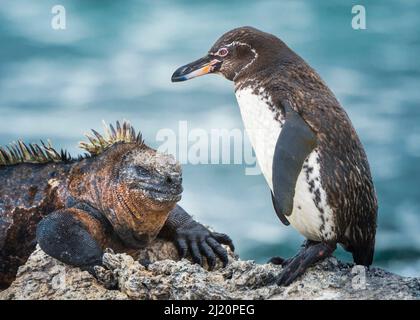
x,y
135,186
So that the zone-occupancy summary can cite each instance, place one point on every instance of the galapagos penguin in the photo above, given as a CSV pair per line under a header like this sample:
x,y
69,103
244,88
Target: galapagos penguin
x,y
306,146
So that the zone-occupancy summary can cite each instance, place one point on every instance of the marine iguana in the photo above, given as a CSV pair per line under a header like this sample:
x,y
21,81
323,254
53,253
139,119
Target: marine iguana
x,y
121,194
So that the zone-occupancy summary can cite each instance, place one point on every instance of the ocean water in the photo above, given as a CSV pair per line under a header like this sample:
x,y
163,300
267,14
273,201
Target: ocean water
x,y
114,60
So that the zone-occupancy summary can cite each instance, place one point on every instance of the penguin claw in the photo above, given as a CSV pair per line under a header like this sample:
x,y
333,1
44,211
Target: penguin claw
x,y
311,253
277,260
290,274
280,261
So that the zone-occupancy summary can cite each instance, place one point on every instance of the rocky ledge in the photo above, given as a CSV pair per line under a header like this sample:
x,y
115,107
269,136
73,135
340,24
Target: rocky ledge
x,y
43,277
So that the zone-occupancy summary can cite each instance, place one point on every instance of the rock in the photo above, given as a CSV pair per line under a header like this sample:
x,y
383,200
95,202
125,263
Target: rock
x,y
43,277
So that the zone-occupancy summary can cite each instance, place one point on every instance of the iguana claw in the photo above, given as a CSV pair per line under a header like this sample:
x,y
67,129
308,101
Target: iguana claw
x,y
200,242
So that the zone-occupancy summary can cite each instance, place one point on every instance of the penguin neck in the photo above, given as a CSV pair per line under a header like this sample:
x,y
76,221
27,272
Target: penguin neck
x,y
265,63
250,83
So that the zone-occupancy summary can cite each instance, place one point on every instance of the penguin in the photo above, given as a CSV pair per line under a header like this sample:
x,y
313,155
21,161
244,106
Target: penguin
x,y
307,148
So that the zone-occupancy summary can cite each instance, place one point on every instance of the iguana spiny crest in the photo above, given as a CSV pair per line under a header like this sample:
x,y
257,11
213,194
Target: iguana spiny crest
x,y
20,152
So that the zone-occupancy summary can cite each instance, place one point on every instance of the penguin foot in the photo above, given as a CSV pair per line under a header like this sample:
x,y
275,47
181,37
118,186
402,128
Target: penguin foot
x,y
310,253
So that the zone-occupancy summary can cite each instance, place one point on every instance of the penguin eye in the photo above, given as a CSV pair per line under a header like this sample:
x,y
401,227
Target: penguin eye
x,y
222,52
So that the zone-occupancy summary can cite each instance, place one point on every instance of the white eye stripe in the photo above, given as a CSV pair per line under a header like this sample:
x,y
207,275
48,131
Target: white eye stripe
x,y
238,43
233,43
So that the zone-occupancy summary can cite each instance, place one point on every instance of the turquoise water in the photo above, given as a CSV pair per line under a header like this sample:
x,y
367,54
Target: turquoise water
x,y
115,60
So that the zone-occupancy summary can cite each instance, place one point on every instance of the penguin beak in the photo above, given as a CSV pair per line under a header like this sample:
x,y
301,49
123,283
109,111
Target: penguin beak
x,y
208,64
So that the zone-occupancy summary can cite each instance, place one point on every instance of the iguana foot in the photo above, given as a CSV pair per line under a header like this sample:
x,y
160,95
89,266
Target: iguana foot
x,y
200,242
192,237
310,253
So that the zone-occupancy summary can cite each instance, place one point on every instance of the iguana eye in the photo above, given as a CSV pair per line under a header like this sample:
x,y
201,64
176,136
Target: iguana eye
x,y
142,171
222,52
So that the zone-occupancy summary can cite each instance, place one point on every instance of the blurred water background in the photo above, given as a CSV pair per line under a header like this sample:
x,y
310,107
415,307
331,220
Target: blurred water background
x,y
115,60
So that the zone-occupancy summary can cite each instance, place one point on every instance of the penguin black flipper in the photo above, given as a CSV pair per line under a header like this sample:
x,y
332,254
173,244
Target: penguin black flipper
x,y
281,216
294,144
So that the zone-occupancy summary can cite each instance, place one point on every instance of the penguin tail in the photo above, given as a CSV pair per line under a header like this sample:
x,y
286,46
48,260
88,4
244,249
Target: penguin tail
x,y
363,255
362,244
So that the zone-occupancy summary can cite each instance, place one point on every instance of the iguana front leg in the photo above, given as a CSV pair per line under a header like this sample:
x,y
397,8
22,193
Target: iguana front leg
x,y
74,236
191,236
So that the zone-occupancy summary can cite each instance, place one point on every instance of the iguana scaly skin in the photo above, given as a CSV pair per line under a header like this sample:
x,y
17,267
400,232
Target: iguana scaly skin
x,y
122,194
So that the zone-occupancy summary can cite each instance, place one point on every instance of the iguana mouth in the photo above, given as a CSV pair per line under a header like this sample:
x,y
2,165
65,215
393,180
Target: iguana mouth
x,y
162,193
163,196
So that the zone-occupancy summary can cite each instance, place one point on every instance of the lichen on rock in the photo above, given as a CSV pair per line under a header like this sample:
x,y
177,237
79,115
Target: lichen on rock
x,y
167,277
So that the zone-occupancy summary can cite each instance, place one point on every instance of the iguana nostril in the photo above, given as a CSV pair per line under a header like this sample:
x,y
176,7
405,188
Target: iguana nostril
x,y
169,179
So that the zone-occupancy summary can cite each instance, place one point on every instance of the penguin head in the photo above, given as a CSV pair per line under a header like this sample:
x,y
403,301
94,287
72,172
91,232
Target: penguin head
x,y
236,54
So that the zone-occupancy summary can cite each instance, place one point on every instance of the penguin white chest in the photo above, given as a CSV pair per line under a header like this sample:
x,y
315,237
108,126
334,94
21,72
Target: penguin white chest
x,y
261,126
311,215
